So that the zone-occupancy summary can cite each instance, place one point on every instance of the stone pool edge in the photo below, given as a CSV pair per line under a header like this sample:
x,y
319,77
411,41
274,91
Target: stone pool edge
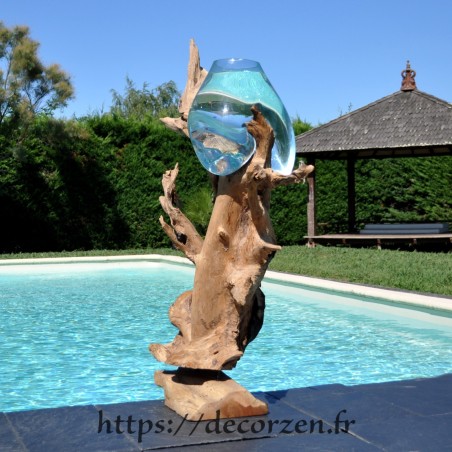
x,y
433,302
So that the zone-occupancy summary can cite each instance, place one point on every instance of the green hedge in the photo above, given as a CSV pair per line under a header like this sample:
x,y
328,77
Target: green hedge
x,y
95,183
90,184
388,190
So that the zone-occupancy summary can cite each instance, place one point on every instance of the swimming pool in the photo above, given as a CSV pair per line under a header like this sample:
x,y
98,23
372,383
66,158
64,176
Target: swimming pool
x,y
74,334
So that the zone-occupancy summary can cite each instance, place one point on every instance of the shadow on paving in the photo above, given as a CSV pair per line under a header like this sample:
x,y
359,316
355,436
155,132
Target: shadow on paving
x,y
410,415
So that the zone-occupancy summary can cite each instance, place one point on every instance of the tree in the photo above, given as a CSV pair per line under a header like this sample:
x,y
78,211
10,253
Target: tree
x,y
27,86
300,126
138,103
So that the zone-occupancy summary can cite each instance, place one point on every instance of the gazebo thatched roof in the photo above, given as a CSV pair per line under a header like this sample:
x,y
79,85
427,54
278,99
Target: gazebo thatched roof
x,y
408,122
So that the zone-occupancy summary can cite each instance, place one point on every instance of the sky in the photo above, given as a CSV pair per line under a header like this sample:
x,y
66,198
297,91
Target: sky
x,y
323,57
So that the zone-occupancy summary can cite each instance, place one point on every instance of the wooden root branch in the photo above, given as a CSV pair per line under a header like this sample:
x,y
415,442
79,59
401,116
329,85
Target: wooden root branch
x,y
182,233
195,76
224,311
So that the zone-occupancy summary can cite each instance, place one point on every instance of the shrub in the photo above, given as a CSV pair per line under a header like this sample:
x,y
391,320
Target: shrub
x,y
95,183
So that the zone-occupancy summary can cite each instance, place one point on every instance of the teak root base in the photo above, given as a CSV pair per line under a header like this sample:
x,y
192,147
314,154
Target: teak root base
x,y
225,310
205,395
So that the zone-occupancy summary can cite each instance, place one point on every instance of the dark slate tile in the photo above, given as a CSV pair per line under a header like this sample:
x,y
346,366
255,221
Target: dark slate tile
x,y
415,433
153,425
161,427
9,440
334,387
312,390
65,429
392,416
309,443
357,406
279,409
416,395
445,379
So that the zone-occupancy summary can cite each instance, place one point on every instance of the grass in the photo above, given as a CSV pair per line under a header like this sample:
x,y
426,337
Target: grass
x,y
416,271
165,251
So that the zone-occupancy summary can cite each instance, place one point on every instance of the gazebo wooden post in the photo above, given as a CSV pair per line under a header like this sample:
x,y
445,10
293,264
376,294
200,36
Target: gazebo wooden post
x,y
421,126
351,194
311,208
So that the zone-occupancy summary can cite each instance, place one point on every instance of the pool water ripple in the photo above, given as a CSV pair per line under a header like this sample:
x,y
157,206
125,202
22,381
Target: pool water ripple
x,y
79,335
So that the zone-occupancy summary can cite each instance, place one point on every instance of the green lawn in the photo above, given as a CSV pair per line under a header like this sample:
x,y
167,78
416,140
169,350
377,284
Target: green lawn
x,y
418,271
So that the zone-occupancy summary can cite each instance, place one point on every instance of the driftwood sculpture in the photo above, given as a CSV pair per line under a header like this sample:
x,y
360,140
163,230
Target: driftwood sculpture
x,y
224,311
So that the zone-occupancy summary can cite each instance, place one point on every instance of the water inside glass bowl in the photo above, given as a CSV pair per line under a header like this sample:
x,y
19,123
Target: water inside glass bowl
x,y
218,133
221,109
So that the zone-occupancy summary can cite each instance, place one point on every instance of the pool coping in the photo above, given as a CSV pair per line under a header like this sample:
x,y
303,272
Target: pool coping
x,y
404,415
401,297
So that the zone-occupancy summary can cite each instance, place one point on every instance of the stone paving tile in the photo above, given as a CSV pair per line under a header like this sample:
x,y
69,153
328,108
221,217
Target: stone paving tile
x,y
411,415
161,427
416,395
357,406
407,415
9,440
68,429
155,426
414,433
310,443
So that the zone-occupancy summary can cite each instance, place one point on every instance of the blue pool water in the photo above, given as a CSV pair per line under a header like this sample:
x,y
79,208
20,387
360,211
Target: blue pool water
x,y
74,334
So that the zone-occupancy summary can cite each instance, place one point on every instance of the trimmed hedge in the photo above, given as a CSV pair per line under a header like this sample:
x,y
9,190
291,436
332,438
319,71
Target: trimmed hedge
x,y
89,184
94,183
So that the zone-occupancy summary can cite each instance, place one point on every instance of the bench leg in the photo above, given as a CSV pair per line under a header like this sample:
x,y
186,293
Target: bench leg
x,y
310,243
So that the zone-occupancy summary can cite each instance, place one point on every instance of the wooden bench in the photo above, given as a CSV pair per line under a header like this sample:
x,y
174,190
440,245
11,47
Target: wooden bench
x,y
391,233
405,229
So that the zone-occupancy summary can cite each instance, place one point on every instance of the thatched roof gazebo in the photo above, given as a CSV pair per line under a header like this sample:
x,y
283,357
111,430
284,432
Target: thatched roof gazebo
x,y
407,123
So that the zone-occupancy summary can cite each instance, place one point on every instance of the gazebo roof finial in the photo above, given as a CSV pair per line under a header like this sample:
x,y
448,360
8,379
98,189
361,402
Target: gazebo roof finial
x,y
408,82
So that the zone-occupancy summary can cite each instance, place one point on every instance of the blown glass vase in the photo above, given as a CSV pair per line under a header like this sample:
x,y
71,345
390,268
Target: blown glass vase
x,y
221,109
